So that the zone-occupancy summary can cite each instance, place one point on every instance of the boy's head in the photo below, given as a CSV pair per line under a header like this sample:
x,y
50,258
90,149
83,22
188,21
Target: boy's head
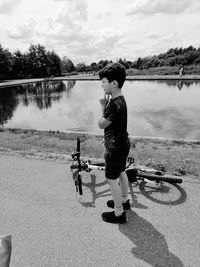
x,y
114,72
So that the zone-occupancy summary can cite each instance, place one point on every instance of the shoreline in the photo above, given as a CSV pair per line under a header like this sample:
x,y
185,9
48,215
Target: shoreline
x,y
174,156
90,77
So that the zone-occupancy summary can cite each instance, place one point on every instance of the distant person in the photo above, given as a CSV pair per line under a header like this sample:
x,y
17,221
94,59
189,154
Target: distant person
x,y
116,141
181,71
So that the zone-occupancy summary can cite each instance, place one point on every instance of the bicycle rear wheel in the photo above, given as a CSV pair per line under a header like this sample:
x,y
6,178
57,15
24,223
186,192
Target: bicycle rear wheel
x,y
135,174
163,193
160,178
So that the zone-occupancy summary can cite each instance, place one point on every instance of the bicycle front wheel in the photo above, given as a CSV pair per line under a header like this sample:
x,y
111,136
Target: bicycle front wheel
x,y
79,183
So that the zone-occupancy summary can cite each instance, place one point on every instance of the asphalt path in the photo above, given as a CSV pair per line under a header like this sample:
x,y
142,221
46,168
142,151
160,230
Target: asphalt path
x,y
51,226
10,83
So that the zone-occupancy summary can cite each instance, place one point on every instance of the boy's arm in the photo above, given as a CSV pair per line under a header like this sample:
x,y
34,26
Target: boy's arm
x,y
103,122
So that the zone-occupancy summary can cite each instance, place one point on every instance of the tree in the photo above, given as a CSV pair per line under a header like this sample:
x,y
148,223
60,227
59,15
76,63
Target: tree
x,y
42,63
5,63
139,63
191,56
67,65
38,57
53,64
81,67
124,63
18,65
103,63
94,66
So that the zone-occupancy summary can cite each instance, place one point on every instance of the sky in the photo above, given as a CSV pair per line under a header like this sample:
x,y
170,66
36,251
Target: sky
x,y
87,31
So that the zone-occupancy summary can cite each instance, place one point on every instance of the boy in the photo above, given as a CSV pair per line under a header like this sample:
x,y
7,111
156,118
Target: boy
x,y
116,141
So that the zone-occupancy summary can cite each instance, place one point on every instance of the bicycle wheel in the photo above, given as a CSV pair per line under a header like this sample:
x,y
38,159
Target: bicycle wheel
x,y
97,163
158,178
164,193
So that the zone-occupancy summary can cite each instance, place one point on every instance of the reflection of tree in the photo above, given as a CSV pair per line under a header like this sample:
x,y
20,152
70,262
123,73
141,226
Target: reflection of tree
x,y
41,94
68,87
8,103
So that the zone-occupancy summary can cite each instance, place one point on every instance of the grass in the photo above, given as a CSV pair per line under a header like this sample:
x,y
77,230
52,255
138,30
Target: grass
x,y
179,157
164,70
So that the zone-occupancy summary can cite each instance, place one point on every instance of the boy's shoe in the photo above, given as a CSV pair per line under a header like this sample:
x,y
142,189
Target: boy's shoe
x,y
110,217
126,205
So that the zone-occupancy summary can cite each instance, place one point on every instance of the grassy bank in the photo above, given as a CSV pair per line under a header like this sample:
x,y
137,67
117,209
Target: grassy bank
x,y
180,157
164,70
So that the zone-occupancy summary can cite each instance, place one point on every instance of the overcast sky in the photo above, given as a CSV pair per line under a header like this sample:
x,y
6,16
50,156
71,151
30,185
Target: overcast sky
x,y
90,30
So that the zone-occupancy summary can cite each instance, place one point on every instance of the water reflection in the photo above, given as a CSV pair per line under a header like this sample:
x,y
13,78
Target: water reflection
x,y
179,83
156,108
42,95
8,104
171,122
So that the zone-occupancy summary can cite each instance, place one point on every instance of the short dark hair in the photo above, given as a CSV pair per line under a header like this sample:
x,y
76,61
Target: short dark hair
x,y
114,71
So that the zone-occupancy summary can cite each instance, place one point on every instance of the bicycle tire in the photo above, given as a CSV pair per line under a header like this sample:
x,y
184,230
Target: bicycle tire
x,y
74,166
160,178
79,183
164,193
99,164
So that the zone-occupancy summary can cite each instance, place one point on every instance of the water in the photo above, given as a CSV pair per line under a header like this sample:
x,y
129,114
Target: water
x,y
155,108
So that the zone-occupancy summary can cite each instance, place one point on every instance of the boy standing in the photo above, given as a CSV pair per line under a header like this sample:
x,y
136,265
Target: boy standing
x,y
116,141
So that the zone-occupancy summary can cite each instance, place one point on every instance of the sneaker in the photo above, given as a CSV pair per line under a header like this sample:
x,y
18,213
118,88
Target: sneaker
x,y
126,205
110,217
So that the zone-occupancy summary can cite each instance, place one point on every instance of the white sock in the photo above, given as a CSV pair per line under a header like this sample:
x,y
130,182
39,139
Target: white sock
x,y
118,211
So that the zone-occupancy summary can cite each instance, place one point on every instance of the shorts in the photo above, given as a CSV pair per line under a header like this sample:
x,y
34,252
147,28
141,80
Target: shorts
x,y
115,161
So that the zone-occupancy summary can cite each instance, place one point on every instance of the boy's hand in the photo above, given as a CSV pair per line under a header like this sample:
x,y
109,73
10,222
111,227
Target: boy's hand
x,y
104,100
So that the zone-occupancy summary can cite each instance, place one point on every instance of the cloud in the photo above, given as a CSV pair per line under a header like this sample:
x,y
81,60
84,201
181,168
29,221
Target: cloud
x,y
24,32
147,7
153,35
102,15
72,14
8,6
70,33
83,44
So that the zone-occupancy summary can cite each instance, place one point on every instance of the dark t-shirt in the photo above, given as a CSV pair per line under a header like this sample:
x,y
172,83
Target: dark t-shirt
x,y
116,135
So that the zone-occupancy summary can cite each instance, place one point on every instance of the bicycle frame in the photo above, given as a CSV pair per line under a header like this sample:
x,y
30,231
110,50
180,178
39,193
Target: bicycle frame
x,y
134,173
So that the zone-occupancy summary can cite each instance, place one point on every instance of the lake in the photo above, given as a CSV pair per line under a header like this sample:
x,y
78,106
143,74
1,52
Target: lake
x,y
155,108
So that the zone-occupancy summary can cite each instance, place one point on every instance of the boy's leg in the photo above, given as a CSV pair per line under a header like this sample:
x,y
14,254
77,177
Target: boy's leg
x,y
124,186
117,196
118,215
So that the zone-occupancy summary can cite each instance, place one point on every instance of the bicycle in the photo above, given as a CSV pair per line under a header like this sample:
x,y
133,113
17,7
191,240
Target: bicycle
x,y
136,174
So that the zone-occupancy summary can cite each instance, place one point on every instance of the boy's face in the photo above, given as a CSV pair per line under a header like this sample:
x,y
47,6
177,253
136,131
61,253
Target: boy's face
x,y
107,86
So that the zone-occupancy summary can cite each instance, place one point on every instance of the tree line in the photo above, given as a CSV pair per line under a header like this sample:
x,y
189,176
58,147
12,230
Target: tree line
x,y
38,62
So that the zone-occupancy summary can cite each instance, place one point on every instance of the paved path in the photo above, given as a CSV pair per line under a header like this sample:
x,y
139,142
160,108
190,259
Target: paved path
x,y
89,77
51,228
